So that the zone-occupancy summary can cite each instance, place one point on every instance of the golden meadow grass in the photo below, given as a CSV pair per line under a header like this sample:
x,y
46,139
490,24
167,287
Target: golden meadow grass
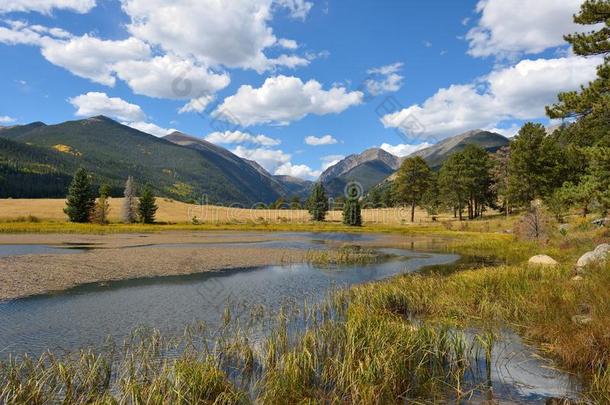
x,y
171,211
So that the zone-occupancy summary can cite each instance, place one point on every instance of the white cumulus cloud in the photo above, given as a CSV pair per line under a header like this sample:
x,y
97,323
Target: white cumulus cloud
x,y
95,103
297,8
516,92
238,137
284,99
233,33
93,58
197,104
46,6
300,171
5,119
512,27
171,78
319,141
403,149
270,159
288,43
384,79
149,128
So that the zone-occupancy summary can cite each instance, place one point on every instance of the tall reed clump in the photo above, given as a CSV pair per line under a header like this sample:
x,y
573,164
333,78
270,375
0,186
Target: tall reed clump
x,y
345,255
149,370
370,358
347,354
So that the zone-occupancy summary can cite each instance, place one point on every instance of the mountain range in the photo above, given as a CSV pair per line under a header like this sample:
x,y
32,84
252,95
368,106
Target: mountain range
x,y
368,168
375,165
38,160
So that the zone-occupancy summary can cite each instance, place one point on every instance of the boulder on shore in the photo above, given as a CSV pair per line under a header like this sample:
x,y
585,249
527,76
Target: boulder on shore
x,y
542,260
599,255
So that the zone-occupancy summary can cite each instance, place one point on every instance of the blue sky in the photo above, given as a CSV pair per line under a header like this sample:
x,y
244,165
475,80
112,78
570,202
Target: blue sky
x,y
293,84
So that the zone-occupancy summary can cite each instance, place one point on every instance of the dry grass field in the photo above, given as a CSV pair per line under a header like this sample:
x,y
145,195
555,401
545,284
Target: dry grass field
x,y
171,211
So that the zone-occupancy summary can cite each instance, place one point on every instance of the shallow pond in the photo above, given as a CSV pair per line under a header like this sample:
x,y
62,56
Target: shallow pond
x,y
86,315
15,250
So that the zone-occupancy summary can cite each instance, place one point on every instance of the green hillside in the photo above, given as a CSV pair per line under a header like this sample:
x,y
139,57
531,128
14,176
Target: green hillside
x,y
113,151
30,171
259,186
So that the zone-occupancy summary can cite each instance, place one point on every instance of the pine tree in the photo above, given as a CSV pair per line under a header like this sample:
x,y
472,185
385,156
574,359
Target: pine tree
x,y
412,182
80,199
534,165
595,98
102,206
431,200
500,176
598,175
317,204
147,207
129,212
352,211
479,180
453,183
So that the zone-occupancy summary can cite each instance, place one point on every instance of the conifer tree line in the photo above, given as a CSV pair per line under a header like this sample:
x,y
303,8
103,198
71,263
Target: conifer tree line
x,y
84,205
567,169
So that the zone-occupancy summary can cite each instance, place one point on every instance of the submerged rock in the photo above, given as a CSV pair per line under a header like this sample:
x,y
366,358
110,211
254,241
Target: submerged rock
x,y
599,255
542,260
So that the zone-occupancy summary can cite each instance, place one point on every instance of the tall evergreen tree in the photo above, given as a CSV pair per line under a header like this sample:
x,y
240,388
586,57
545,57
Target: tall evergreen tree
x,y
431,200
80,199
598,175
500,176
534,165
147,207
317,204
352,211
594,99
479,180
130,203
453,183
412,182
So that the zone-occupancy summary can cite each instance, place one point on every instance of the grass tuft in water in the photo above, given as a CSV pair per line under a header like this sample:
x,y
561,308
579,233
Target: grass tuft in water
x,y
346,255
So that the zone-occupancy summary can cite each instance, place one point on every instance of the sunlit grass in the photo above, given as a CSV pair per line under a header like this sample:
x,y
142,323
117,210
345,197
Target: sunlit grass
x,y
67,227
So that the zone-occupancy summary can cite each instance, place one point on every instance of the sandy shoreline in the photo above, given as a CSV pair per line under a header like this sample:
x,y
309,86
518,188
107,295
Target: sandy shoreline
x,y
131,256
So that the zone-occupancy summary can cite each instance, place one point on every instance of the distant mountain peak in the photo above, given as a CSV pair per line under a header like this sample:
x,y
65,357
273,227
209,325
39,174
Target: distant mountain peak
x,y
367,168
436,154
355,160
